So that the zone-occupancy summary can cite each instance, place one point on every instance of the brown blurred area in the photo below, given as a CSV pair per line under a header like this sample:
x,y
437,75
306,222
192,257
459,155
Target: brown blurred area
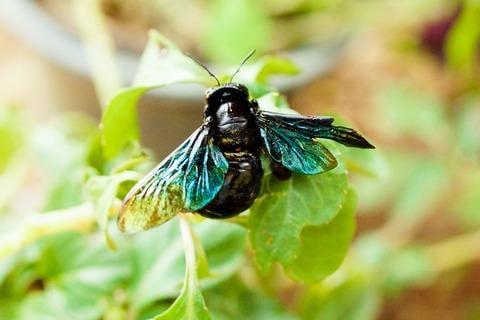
x,y
40,86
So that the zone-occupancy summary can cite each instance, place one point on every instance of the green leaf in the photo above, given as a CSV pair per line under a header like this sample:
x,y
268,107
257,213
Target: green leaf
x,y
467,118
77,264
234,300
54,304
60,147
120,121
412,203
102,191
353,298
463,38
286,218
12,178
158,259
162,63
190,304
78,274
12,133
284,209
274,102
228,21
324,247
261,70
407,267
407,112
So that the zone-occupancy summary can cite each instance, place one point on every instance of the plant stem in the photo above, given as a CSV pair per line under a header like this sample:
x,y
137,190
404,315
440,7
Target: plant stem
x,y
79,218
99,48
189,244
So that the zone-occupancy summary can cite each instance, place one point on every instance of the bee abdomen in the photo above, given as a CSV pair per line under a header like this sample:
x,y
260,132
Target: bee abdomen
x,y
240,187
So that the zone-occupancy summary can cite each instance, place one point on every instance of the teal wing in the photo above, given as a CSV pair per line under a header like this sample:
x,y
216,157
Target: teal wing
x,y
187,180
292,140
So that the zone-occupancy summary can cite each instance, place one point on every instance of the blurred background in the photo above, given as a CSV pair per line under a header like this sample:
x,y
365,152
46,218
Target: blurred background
x,y
405,73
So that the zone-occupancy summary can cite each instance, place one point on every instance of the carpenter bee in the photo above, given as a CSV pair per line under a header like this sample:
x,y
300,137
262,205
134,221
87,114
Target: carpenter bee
x,y
217,171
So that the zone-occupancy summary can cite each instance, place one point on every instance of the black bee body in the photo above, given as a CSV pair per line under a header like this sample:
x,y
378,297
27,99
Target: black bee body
x,y
234,130
217,171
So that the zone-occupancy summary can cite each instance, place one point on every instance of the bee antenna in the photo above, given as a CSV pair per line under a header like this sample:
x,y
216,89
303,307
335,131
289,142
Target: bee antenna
x,y
241,64
204,67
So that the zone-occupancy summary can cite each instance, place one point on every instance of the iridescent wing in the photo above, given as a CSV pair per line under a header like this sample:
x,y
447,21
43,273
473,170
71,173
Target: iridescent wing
x,y
187,180
292,140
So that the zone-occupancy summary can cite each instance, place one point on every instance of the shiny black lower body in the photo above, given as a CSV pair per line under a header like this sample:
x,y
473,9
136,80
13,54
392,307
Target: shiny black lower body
x,y
240,188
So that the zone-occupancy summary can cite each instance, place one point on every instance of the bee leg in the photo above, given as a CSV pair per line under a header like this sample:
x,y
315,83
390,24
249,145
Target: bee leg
x,y
279,171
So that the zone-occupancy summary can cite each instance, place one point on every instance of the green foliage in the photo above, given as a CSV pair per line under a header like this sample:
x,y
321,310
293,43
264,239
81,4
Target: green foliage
x,y
463,39
467,135
279,215
161,59
291,219
12,134
290,256
353,299
103,191
60,148
407,112
162,64
261,70
287,223
312,264
234,300
159,259
120,121
189,304
223,34
304,224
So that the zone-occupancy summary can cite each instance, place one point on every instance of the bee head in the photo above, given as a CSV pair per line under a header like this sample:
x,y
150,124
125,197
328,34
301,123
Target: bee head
x,y
228,92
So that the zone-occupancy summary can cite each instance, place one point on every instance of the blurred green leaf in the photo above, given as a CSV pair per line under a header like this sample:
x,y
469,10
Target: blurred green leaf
x,y
370,175
406,267
256,76
60,148
409,112
102,191
261,70
75,274
234,27
234,300
162,63
279,215
189,305
12,133
13,162
355,298
274,102
463,39
81,266
423,186
120,121
12,178
467,117
55,304
365,162
158,259
324,247
9,308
